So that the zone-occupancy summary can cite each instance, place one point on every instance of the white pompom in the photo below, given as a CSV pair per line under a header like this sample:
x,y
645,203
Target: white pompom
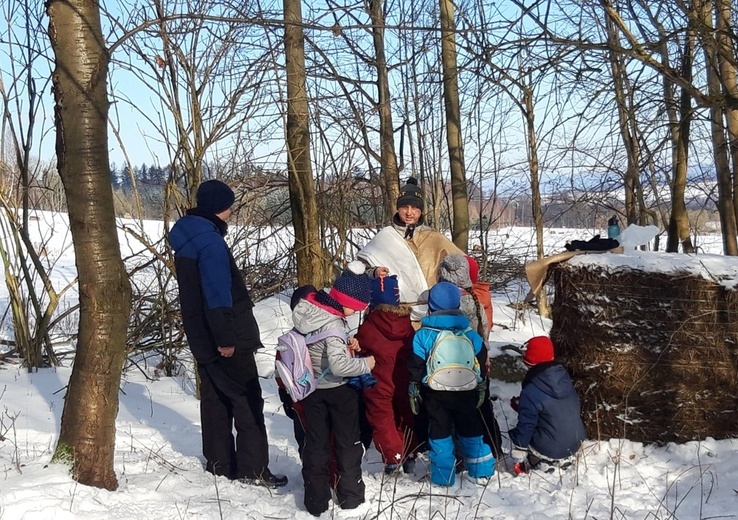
x,y
356,267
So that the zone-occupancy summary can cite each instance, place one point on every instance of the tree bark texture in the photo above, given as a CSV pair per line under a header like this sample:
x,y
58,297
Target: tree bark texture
x,y
87,436
535,190
706,34
460,226
308,250
388,158
727,58
626,123
679,126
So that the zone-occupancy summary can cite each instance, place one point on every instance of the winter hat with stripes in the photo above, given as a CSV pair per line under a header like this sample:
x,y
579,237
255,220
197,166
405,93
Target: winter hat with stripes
x,y
353,287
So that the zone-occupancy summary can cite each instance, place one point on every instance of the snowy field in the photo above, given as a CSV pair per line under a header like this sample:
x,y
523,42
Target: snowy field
x,y
160,469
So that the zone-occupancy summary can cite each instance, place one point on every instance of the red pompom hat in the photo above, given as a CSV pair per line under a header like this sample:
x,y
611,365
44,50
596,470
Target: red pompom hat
x,y
539,349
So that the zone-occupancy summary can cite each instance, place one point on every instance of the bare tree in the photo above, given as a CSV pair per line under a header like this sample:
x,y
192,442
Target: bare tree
x,y
87,436
460,228
388,161
32,304
715,68
311,267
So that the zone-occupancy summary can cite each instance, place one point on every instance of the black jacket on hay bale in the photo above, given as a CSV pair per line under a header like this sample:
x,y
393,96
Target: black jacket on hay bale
x,y
654,356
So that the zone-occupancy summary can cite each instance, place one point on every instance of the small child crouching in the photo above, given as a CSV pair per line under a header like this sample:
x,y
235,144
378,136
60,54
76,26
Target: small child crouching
x,y
549,428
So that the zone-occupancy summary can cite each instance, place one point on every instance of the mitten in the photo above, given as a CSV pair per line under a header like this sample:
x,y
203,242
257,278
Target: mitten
x,y
518,455
415,398
481,393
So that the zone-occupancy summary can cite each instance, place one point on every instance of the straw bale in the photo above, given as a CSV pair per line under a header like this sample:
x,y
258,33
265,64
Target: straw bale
x,y
654,356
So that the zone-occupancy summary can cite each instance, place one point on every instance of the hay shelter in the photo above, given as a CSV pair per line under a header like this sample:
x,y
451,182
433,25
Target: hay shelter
x,y
651,340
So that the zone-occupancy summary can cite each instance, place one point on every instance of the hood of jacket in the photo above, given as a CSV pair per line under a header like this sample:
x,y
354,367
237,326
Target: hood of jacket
x,y
191,230
552,379
309,317
391,321
451,320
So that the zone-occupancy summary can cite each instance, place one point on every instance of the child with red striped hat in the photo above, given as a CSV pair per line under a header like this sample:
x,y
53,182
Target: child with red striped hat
x,y
332,410
550,428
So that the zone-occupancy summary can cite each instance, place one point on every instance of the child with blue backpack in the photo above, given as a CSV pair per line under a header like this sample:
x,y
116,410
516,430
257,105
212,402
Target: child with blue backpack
x,y
447,374
332,410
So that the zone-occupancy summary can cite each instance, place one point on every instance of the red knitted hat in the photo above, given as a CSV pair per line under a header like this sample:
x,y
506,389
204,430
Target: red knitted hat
x,y
539,349
473,269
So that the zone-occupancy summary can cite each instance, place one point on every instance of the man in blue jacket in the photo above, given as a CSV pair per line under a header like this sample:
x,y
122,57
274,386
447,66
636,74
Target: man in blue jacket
x,y
549,428
223,335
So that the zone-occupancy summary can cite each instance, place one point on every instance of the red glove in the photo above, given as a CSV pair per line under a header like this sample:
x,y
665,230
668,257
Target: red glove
x,y
515,402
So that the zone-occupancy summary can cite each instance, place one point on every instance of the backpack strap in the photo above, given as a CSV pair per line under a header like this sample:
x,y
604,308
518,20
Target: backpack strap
x,y
314,337
319,336
457,332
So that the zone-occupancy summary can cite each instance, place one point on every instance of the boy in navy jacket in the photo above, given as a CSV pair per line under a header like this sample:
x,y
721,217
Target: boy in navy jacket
x,y
449,412
549,428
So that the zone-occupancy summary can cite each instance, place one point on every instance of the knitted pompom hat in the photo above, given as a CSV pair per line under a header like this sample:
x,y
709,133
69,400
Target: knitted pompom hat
x,y
455,269
385,290
214,197
444,296
411,195
539,349
353,287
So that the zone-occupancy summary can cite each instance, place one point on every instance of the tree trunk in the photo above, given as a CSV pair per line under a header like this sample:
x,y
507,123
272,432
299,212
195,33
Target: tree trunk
x,y
460,227
627,125
535,190
679,126
727,58
719,141
87,436
388,168
308,250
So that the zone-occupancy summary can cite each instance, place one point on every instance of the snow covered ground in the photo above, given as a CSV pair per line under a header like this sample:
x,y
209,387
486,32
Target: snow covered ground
x,y
160,469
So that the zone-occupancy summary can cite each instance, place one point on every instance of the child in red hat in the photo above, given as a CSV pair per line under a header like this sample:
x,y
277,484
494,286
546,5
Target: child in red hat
x,y
550,428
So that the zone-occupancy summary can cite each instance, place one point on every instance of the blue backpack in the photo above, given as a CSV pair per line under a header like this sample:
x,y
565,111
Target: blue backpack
x,y
452,364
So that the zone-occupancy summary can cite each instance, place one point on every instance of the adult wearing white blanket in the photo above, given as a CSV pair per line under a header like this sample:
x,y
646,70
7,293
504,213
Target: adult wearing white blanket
x,y
409,249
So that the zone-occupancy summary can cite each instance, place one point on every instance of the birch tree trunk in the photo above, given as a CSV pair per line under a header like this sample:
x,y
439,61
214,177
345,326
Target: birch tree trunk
x,y
87,436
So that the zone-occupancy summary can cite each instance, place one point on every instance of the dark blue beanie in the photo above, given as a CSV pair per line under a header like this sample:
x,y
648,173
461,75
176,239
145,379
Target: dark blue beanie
x,y
385,291
444,296
214,197
301,293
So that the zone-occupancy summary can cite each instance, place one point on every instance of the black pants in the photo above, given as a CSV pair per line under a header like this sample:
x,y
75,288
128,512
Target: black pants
x,y
333,410
230,394
453,412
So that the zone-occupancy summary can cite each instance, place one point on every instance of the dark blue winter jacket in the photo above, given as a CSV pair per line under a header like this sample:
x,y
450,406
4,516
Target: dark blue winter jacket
x,y
549,417
216,306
